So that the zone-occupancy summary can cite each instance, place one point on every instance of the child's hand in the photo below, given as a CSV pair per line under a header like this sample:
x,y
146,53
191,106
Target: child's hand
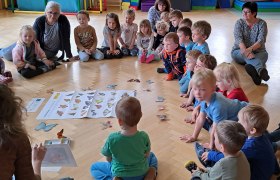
x,y
88,51
206,145
48,62
189,120
27,65
116,52
38,154
204,156
21,64
187,138
190,108
124,46
185,104
109,52
251,56
130,47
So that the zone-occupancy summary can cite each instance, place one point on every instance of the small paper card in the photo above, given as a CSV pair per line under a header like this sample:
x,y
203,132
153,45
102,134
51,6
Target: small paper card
x,y
34,104
58,155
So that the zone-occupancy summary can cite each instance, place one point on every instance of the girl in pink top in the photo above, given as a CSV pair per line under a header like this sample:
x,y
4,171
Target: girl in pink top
x,y
228,82
28,56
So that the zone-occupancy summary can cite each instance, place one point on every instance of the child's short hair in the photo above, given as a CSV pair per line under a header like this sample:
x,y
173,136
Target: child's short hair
x,y
186,31
145,23
83,12
165,2
116,19
232,135
208,60
186,22
176,13
203,27
227,71
173,36
24,29
128,109
255,116
162,25
204,75
193,53
129,12
164,14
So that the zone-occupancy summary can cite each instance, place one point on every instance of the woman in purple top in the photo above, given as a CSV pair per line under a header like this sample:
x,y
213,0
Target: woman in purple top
x,y
249,48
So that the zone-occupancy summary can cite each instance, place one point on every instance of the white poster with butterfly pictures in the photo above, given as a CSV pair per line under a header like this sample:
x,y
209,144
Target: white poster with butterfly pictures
x,y
82,104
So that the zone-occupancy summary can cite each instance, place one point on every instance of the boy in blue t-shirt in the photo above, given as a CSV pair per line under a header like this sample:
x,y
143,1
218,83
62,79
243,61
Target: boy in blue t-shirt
x,y
213,105
200,32
257,148
185,38
127,151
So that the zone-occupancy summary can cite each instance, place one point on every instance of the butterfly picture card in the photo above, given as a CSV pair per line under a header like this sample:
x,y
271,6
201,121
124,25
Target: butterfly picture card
x,y
100,104
80,104
57,105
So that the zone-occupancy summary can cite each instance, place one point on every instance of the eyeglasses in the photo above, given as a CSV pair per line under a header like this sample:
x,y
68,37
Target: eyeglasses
x,y
53,13
246,12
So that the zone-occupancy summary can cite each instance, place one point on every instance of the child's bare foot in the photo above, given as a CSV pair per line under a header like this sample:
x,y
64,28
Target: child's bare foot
x,y
187,138
151,174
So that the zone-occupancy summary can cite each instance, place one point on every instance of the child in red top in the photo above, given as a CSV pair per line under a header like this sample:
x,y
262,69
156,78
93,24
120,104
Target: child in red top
x,y
228,82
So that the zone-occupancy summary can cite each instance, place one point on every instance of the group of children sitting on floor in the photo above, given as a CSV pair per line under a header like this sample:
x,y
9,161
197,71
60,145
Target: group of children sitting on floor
x,y
214,96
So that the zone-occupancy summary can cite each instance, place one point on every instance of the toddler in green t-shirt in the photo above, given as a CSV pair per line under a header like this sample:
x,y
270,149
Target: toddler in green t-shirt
x,y
127,151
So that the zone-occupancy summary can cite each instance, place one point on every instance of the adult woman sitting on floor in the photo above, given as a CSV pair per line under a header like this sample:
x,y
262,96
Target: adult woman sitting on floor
x,y
249,48
52,32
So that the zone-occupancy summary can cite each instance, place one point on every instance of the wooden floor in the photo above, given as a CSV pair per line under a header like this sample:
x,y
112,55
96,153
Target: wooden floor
x,y
87,134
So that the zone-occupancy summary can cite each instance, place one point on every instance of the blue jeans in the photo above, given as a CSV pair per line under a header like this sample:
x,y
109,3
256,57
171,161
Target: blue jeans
x,y
96,55
7,52
102,170
184,84
258,62
131,52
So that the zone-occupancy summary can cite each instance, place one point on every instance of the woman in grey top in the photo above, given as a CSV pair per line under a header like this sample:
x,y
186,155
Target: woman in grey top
x,y
249,48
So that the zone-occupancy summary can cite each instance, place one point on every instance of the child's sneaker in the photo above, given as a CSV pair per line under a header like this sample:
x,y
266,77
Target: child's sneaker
x,y
150,58
143,58
199,149
170,77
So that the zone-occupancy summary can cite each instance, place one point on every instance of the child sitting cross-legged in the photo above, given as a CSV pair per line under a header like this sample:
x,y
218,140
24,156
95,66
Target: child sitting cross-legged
x,y
201,31
228,82
128,36
162,29
28,56
191,58
185,38
127,151
145,41
85,38
173,57
257,148
214,106
175,17
229,138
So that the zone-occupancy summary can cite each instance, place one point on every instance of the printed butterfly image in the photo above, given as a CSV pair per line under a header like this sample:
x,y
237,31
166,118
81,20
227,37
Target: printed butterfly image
x,y
44,127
